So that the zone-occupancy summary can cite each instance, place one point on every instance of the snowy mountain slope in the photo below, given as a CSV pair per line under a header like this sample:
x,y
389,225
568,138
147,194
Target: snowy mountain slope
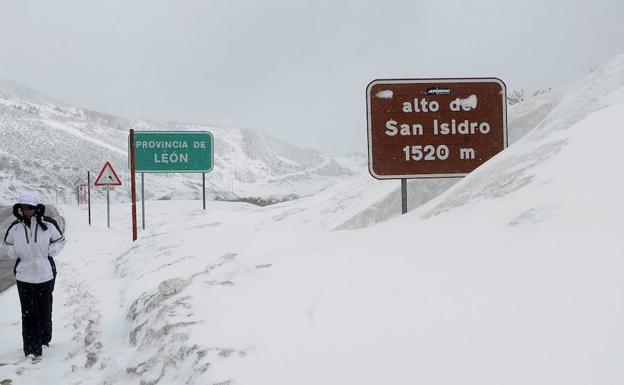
x,y
50,145
565,106
511,276
541,114
600,89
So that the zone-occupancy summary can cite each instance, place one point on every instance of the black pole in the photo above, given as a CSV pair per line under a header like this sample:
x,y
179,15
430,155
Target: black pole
x,y
204,188
403,196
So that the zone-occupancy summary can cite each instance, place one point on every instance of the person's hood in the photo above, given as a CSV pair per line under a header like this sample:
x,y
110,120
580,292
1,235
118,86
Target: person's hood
x,y
29,198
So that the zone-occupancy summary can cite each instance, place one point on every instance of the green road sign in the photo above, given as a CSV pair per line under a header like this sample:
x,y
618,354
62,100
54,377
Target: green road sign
x,y
173,151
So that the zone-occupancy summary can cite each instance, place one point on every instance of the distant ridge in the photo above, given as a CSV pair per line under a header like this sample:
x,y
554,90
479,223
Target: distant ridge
x,y
49,145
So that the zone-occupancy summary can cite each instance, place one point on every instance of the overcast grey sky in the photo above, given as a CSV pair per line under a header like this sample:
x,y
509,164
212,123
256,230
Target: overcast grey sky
x,y
294,69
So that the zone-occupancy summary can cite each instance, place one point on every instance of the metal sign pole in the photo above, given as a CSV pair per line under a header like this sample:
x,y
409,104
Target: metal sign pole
x,y
204,188
133,185
108,206
143,199
403,196
89,194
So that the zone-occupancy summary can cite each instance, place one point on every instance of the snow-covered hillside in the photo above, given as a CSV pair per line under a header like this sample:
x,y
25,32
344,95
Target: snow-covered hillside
x,y
48,145
511,276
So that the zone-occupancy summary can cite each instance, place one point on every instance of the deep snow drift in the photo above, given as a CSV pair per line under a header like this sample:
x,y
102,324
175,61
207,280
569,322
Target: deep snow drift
x,y
511,276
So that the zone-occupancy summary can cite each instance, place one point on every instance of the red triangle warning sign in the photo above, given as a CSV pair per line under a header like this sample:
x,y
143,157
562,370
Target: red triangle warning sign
x,y
107,177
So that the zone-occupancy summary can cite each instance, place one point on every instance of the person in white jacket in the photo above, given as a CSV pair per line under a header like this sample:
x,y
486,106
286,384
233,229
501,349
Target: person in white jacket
x,y
34,239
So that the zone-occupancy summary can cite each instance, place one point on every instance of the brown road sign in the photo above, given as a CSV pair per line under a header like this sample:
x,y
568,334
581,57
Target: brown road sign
x,y
432,128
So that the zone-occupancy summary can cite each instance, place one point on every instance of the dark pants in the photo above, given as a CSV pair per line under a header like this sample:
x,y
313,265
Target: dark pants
x,y
36,303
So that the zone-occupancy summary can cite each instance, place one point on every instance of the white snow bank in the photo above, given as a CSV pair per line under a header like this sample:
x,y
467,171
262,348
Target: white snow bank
x,y
515,279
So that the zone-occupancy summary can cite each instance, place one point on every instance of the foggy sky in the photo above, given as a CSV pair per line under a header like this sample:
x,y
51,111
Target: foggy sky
x,y
296,70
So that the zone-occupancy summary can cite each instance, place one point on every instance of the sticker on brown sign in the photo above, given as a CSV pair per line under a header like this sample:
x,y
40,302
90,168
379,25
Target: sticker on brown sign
x,y
433,128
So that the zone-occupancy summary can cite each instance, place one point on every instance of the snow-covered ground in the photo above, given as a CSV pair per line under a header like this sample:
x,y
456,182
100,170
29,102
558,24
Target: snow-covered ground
x,y
512,276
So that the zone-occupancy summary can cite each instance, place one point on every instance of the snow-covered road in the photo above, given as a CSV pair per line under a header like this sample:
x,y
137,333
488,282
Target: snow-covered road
x,y
85,286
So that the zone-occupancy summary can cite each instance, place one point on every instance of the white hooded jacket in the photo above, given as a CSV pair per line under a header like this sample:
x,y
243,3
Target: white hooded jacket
x,y
32,245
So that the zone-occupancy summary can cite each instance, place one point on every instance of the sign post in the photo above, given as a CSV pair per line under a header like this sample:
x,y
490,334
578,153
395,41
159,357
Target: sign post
x,y
107,179
171,152
133,185
433,128
143,200
204,189
107,206
89,194
403,196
